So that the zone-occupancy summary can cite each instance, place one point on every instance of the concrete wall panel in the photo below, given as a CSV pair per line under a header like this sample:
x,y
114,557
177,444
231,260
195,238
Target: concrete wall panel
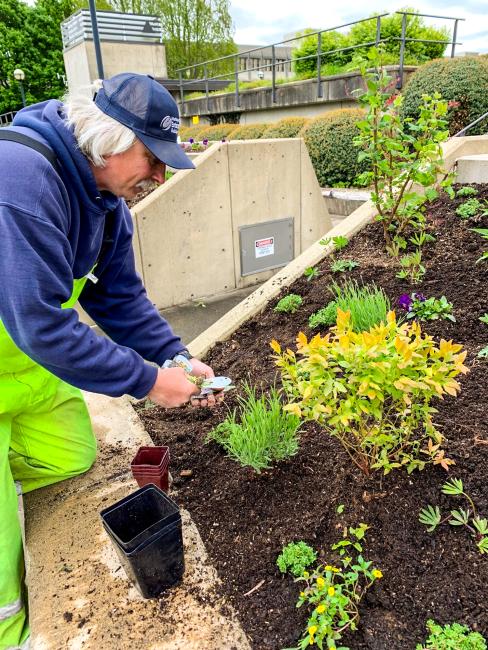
x,y
185,233
315,215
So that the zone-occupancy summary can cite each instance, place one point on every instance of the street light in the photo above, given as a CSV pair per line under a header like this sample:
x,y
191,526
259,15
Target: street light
x,y
20,76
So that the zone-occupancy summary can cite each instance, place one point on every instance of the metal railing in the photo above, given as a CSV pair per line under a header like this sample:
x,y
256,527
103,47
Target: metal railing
x,y
462,132
185,84
7,118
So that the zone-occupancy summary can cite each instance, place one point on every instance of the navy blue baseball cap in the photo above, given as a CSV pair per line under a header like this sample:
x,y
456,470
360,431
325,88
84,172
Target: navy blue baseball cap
x,y
147,108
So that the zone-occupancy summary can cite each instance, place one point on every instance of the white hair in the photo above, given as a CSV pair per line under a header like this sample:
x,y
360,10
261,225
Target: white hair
x,y
97,134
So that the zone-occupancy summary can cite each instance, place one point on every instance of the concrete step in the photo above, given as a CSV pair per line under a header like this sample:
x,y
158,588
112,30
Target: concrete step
x,y
472,169
342,202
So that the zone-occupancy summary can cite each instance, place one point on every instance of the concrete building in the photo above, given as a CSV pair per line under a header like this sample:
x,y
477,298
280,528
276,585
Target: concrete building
x,y
128,43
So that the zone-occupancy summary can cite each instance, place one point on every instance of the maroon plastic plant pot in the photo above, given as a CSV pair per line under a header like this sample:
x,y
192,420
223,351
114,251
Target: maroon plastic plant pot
x,y
150,465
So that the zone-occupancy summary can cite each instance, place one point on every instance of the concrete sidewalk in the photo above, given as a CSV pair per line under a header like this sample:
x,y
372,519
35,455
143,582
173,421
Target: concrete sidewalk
x,y
79,595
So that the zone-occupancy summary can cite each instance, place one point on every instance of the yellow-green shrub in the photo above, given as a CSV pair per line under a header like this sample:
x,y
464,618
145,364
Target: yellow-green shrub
x,y
373,389
187,132
329,140
248,132
216,132
289,127
462,81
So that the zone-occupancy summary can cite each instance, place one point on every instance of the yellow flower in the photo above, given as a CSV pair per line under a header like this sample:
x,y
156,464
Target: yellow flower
x,y
320,582
332,568
306,574
320,609
312,629
331,591
377,573
302,594
311,641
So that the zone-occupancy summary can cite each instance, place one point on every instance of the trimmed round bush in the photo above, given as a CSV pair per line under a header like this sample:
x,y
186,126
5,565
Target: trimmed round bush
x,y
248,132
329,140
187,132
216,132
462,81
288,127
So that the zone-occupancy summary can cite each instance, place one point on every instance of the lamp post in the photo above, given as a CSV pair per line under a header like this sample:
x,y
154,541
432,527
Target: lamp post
x,y
20,76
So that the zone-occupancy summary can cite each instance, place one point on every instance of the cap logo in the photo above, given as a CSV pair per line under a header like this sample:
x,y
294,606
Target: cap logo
x,y
169,123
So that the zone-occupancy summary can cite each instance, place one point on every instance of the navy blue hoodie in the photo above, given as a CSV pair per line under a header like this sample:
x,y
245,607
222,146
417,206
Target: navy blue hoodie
x,y
51,230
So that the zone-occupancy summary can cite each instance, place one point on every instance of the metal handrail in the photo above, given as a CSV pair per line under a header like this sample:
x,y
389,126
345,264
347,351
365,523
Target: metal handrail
x,y
186,83
466,128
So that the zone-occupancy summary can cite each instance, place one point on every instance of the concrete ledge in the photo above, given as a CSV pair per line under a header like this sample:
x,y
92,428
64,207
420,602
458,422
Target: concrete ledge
x,y
79,595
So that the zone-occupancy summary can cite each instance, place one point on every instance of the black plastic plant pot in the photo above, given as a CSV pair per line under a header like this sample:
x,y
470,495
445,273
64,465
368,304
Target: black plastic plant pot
x,y
145,528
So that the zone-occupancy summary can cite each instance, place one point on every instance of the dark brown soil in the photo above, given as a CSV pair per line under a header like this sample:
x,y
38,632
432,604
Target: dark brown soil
x,y
245,519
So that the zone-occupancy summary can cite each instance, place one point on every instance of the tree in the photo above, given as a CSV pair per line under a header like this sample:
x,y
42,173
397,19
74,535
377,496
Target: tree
x,y
193,31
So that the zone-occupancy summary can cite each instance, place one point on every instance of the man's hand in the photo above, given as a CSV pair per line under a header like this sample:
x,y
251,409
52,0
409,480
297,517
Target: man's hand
x,y
201,369
172,388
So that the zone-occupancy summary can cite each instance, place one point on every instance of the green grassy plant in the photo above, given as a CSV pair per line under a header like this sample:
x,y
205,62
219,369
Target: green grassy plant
x,y
373,390
261,433
289,304
368,305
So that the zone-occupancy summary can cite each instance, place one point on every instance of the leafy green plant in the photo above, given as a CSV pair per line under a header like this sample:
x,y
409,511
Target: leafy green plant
x,y
260,433
451,637
311,272
329,139
324,317
412,267
484,233
339,242
289,304
469,208
373,390
461,81
335,593
295,558
341,266
484,318
466,191
401,154
418,306
469,518
216,132
483,353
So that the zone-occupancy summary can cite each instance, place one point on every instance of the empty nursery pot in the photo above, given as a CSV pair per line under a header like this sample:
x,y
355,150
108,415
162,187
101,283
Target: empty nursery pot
x,y
145,528
150,465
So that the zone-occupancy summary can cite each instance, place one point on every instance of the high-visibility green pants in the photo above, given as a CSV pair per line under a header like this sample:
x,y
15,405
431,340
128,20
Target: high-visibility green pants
x,y
45,437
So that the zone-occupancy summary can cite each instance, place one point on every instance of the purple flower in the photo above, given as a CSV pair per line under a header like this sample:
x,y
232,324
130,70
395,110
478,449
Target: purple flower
x,y
420,297
191,140
223,139
405,302
205,142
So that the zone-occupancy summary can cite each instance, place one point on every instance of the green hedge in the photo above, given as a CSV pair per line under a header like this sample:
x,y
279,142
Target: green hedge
x,y
248,132
216,132
288,127
187,132
329,140
462,81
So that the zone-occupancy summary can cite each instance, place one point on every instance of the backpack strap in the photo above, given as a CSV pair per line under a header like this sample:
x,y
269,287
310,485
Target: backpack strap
x,y
21,138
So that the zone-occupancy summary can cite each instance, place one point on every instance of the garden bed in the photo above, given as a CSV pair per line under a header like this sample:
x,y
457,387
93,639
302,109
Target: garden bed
x,y
245,518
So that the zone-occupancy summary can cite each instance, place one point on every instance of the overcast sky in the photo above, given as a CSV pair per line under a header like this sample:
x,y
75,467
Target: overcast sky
x,y
261,22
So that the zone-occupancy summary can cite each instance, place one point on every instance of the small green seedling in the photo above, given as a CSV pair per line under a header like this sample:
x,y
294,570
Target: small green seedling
x,y
341,266
451,637
466,191
289,304
431,516
295,558
484,233
469,208
484,318
311,272
483,353
412,267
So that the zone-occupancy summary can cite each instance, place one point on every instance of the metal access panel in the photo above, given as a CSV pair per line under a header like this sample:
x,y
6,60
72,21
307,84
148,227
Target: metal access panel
x,y
266,245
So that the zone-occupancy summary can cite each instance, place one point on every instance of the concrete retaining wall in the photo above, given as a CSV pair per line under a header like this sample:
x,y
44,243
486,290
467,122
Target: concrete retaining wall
x,y
187,231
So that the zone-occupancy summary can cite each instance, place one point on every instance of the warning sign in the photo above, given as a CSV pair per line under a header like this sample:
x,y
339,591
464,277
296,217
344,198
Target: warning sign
x,y
264,247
